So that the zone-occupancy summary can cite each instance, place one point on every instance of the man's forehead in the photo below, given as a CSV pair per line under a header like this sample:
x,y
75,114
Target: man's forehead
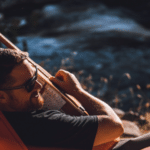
x,y
23,69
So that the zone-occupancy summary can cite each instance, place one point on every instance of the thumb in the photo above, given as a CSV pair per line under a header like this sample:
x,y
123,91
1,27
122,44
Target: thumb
x,y
55,80
51,78
57,83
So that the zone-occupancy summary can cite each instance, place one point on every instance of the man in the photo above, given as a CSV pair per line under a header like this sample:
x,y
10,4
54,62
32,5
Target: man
x,y
21,103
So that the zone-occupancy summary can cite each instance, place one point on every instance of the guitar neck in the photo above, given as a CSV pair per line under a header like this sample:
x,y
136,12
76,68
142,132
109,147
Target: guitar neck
x,y
73,106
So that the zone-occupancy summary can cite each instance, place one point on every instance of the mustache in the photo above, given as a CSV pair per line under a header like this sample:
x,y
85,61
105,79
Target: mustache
x,y
35,103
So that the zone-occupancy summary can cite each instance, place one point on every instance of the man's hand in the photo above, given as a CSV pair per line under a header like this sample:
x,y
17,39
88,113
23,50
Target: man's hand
x,y
67,82
109,124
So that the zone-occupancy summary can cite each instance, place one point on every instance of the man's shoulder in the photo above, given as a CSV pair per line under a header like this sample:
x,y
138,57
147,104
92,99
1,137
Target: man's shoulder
x,y
45,113
30,114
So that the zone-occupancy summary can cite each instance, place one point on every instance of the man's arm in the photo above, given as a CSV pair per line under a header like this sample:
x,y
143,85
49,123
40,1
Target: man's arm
x,y
109,124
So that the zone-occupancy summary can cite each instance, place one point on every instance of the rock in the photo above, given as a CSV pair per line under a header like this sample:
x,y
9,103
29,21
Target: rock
x,y
132,116
119,112
142,120
130,129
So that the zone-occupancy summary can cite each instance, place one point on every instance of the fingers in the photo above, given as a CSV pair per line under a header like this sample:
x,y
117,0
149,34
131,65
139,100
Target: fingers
x,y
66,80
55,80
58,84
61,72
62,75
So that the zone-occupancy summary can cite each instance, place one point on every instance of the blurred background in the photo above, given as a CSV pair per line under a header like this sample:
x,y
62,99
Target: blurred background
x,y
105,43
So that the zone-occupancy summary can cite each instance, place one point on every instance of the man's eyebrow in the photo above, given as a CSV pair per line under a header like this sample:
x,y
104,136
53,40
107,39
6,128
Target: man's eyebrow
x,y
34,72
33,69
11,80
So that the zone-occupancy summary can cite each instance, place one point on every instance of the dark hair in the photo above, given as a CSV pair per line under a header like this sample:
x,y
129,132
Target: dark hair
x,y
9,58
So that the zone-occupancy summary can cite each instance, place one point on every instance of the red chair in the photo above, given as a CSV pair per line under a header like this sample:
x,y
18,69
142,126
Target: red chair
x,y
9,140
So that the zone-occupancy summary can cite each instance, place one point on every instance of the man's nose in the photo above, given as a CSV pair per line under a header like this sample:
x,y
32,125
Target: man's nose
x,y
38,85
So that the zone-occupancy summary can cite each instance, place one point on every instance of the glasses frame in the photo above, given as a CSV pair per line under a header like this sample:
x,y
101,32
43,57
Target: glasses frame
x,y
28,86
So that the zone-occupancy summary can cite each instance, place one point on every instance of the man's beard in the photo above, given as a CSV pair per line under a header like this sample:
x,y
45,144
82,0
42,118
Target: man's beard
x,y
37,103
28,105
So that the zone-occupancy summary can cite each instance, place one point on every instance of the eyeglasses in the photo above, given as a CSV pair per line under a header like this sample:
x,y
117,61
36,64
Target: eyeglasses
x,y
29,85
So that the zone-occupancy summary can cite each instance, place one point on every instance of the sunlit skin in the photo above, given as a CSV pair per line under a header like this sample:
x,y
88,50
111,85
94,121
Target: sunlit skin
x,y
109,125
20,99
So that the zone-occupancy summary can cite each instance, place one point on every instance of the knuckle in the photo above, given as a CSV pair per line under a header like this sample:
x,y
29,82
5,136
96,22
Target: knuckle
x,y
60,70
72,75
63,71
67,72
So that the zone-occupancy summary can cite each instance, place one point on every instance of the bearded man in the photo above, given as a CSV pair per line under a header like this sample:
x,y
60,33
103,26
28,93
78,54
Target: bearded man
x,y
21,103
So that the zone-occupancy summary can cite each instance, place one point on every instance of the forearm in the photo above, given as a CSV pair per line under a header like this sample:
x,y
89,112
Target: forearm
x,y
95,106
109,124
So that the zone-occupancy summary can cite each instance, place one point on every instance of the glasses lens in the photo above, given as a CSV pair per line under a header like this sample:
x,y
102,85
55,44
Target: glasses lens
x,y
30,85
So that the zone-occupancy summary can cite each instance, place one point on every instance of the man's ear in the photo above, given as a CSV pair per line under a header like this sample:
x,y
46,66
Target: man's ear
x,y
3,97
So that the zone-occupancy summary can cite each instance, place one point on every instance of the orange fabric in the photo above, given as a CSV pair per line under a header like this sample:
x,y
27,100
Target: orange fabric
x,y
9,140
8,137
